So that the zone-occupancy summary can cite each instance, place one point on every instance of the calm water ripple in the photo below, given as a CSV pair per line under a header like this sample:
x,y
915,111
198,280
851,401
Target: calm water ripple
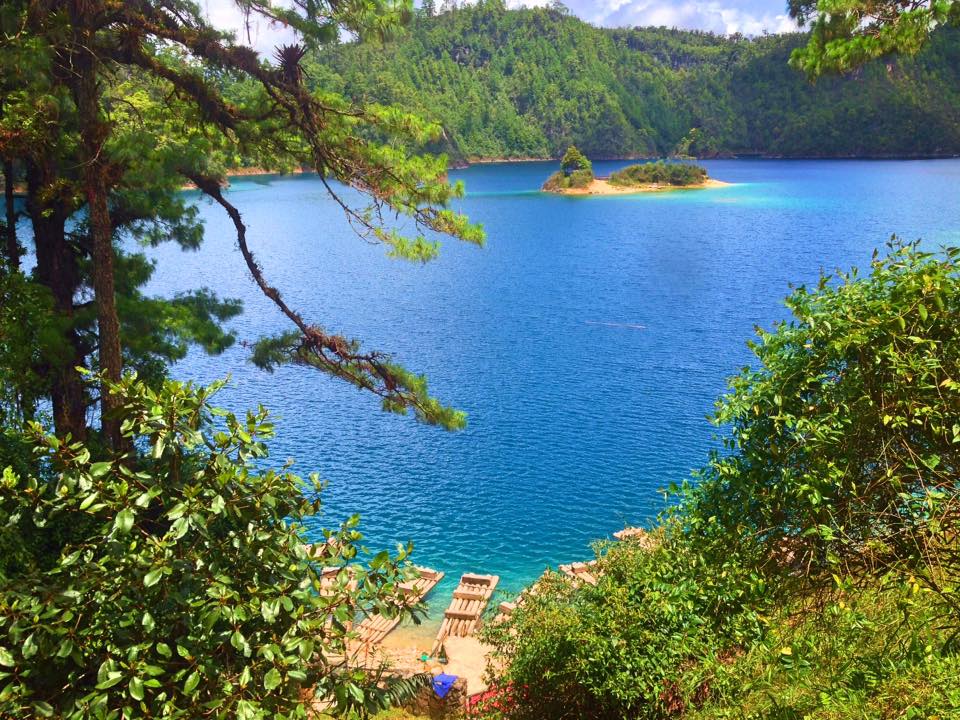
x,y
587,341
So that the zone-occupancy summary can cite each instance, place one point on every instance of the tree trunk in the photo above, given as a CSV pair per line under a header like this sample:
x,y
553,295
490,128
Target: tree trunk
x,y
10,231
58,270
93,132
10,227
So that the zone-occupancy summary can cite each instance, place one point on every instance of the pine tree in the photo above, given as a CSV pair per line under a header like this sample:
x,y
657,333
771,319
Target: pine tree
x,y
846,34
574,160
171,48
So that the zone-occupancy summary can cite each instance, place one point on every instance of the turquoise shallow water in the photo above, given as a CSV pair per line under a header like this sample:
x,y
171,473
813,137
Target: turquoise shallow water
x,y
587,341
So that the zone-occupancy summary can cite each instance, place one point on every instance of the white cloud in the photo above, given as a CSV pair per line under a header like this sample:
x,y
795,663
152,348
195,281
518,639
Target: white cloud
x,y
712,15
750,17
260,34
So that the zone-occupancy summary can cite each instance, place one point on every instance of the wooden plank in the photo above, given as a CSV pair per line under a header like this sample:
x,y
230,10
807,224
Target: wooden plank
x,y
470,578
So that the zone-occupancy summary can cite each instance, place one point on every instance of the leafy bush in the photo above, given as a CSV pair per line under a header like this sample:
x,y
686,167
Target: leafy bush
x,y
576,171
28,335
873,652
844,447
175,583
636,644
659,173
576,180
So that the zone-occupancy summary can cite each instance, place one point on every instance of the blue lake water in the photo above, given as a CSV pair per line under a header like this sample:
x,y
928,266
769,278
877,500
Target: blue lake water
x,y
587,341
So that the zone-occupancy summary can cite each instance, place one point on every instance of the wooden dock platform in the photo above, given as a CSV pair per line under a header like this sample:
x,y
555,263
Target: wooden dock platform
x,y
470,599
375,628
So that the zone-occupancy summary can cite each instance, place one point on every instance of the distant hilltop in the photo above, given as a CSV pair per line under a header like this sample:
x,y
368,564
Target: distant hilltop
x,y
516,84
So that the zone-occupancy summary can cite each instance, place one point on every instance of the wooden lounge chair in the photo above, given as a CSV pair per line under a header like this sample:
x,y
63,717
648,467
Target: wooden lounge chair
x,y
375,628
470,599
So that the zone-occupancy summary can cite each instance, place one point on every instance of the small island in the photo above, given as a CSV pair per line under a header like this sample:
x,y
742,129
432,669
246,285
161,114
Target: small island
x,y
576,177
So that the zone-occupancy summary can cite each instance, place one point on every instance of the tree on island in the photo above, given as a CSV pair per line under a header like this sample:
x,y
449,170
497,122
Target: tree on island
x,y
574,160
576,171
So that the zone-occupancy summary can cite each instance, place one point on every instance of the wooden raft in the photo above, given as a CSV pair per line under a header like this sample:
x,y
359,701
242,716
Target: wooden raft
x,y
466,609
375,628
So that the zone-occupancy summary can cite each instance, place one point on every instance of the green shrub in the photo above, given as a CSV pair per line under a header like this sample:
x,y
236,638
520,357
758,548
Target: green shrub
x,y
580,178
659,173
577,179
876,652
843,454
633,645
812,571
174,581
576,171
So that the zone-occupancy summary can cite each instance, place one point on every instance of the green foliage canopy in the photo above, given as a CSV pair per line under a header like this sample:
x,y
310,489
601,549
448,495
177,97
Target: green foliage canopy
x,y
576,171
178,584
844,448
845,34
574,160
178,101
635,644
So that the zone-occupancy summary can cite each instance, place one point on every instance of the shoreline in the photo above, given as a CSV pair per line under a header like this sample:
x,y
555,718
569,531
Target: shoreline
x,y
20,191
600,187
463,163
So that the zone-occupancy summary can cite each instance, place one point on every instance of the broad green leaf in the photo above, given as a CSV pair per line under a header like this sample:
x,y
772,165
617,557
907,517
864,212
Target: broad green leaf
x,y
135,687
124,521
272,679
191,683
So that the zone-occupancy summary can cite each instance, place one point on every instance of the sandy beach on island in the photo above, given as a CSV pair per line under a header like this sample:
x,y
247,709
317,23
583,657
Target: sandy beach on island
x,y
603,187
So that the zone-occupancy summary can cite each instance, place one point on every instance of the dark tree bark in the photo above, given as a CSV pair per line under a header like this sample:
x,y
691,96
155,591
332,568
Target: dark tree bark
x,y
93,131
57,269
10,229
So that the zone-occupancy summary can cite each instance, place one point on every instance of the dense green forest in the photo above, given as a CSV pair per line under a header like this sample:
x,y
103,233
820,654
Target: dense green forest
x,y
528,83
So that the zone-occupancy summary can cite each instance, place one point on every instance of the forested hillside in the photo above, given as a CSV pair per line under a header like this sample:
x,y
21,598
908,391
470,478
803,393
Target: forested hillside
x,y
528,83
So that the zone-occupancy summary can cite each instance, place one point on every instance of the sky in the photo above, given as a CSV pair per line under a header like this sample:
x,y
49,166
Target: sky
x,y
750,17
